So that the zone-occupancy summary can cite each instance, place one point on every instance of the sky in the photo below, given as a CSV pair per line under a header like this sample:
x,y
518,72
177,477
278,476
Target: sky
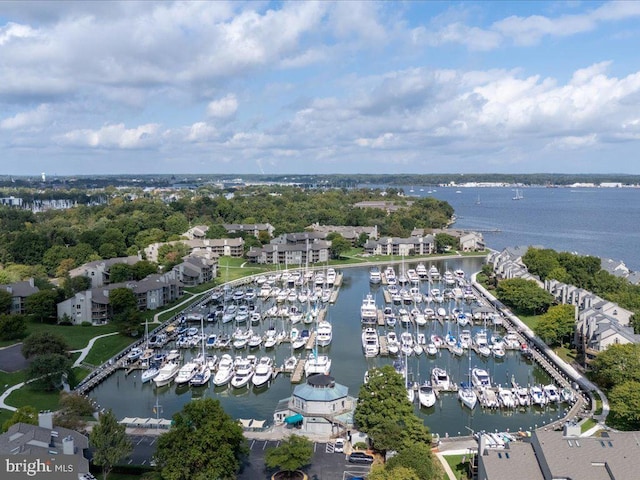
x,y
319,87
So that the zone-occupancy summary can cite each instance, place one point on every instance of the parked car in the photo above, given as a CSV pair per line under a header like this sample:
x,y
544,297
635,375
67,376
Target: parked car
x,y
338,445
360,457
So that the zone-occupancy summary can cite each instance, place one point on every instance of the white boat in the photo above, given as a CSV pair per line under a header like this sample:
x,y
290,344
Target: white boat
x,y
431,349
467,396
324,333
263,372
506,398
186,372
134,354
368,311
166,374
551,392
202,377
498,352
567,395
434,274
255,341
290,364
426,396
317,364
406,343
375,277
437,340
225,370
301,340
211,340
488,398
270,338
244,371
370,342
484,351
480,378
440,378
418,349
537,396
422,271
480,338
522,396
393,345
149,374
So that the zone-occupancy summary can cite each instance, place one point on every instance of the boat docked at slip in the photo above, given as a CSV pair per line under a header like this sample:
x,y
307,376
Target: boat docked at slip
x,y
166,374
245,368
370,342
467,396
393,345
226,369
406,343
522,396
375,276
324,333
368,311
263,372
202,376
552,393
186,372
426,395
480,378
317,364
537,396
149,374
506,398
440,378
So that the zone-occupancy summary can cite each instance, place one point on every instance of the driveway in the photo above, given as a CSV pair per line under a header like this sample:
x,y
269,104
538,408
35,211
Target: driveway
x,y
11,359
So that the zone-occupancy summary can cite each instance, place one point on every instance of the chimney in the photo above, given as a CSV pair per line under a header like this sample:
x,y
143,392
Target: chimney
x,y
45,419
68,446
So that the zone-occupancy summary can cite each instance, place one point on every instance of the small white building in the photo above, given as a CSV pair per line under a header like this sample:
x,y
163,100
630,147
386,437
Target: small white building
x,y
319,406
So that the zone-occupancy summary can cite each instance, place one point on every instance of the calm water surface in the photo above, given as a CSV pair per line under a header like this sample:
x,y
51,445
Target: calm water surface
x,y
129,398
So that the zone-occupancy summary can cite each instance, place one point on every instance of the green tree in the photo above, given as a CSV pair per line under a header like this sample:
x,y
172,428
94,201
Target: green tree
x,y
176,224
379,472
541,262
170,254
40,343
445,242
524,296
26,414
42,305
120,272
339,245
210,442
5,301
557,325
624,400
110,442
73,285
45,372
73,410
143,268
616,365
12,327
292,454
419,458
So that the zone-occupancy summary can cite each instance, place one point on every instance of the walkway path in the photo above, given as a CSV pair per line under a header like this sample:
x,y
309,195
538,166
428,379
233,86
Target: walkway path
x,y
6,393
85,351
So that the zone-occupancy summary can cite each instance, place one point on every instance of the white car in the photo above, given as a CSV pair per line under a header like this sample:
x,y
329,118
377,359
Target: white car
x,y
338,445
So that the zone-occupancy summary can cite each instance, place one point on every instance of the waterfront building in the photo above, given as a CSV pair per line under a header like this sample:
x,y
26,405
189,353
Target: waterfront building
x,y
309,253
222,247
349,233
418,245
19,292
319,406
98,270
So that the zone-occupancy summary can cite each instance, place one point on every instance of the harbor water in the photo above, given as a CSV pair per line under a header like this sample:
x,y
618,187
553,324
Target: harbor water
x,y
127,396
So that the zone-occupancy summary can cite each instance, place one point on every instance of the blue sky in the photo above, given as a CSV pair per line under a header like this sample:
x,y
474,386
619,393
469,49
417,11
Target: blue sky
x,y
329,87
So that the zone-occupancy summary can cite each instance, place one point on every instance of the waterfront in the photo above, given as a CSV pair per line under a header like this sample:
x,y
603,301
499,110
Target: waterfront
x,y
589,221
348,367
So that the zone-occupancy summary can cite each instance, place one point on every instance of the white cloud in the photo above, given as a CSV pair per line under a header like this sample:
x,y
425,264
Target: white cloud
x,y
113,136
28,119
14,31
201,132
224,107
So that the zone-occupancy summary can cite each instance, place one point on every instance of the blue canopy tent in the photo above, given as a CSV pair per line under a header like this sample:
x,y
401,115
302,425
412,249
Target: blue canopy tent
x,y
295,418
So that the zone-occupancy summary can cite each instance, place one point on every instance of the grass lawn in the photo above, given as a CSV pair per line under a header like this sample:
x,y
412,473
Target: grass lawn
x,y
567,354
77,336
530,321
587,424
456,463
4,416
105,348
37,399
9,379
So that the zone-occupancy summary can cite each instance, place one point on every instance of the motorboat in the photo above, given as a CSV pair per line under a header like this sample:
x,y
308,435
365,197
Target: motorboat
x,y
551,392
498,352
506,398
202,376
440,378
244,371
484,351
480,378
418,349
465,339
166,374
426,396
270,338
431,349
480,338
467,396
370,342
186,372
406,343
369,311
375,276
537,396
422,271
434,274
301,340
263,372
134,354
255,341
149,374
393,345
522,396
437,340
317,364
457,349
225,370
290,364
324,333
211,340
567,395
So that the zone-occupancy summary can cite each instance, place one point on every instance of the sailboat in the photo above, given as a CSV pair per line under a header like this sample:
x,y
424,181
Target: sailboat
x,y
203,375
478,200
466,394
518,195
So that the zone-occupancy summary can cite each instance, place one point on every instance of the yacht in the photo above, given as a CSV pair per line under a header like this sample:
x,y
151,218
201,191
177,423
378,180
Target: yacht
x,y
324,333
263,372
393,345
186,372
375,277
225,370
149,374
202,376
368,311
537,396
467,396
244,371
166,374
426,396
440,378
551,392
506,398
317,364
434,274
522,396
422,271
270,338
370,342
406,343
480,378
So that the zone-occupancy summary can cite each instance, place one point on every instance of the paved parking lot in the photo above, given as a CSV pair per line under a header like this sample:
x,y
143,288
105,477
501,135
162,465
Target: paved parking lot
x,y
325,464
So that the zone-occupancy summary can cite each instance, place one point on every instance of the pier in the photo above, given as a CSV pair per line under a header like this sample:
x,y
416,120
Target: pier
x,y
298,372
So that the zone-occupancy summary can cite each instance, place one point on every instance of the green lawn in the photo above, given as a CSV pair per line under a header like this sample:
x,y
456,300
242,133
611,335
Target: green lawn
x,y
8,379
29,396
4,416
530,321
77,336
567,354
587,424
105,348
456,463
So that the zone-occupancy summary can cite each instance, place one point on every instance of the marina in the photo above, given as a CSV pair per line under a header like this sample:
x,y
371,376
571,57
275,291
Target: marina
x,y
348,364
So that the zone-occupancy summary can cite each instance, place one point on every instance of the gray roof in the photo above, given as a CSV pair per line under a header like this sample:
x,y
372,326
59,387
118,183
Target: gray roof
x,y
588,458
516,461
320,393
21,289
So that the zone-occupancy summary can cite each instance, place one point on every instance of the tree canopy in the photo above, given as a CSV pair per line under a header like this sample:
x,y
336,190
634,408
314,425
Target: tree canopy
x,y
557,325
26,414
293,453
110,442
209,441
524,296
40,343
46,371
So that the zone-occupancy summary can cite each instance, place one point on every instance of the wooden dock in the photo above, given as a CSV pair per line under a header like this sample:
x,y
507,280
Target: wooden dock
x,y
311,342
380,318
387,296
298,372
384,350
